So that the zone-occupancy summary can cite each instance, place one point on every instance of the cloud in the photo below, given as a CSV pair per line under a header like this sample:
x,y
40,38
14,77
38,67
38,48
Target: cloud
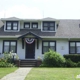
x,y
21,11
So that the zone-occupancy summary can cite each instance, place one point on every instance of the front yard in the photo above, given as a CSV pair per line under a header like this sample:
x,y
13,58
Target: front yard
x,y
53,74
5,71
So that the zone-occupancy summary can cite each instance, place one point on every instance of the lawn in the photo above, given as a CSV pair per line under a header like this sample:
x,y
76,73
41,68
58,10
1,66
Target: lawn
x,y
5,71
53,74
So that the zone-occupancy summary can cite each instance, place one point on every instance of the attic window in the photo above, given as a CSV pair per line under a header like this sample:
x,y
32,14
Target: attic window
x,y
34,25
11,25
48,26
26,25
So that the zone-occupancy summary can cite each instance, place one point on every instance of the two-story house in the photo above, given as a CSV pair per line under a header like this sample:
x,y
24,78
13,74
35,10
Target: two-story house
x,y
30,38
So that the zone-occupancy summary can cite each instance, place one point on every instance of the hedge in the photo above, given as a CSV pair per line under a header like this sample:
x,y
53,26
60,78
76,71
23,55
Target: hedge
x,y
73,57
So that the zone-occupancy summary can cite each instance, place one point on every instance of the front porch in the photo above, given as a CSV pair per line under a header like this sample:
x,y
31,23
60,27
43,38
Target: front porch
x,y
30,45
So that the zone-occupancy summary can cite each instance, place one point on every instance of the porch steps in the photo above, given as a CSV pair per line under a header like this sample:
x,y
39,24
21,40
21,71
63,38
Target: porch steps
x,y
28,63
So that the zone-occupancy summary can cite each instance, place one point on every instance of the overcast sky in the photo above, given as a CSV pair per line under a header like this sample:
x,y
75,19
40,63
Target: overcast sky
x,y
59,9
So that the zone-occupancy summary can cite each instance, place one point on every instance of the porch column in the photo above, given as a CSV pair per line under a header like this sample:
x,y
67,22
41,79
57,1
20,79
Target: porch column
x,y
37,43
22,43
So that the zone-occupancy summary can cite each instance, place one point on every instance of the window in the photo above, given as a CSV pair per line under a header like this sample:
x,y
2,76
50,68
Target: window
x,y
34,25
9,46
15,26
46,45
74,47
11,25
49,26
26,25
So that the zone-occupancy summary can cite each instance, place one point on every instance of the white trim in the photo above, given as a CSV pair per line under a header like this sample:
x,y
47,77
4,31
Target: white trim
x,y
5,26
41,25
18,26
48,31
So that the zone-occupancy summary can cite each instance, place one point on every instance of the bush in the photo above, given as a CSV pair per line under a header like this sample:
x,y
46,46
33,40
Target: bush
x,y
7,60
78,64
73,57
53,59
4,63
70,63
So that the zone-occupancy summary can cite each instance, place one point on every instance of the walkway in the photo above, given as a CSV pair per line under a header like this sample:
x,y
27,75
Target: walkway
x,y
19,74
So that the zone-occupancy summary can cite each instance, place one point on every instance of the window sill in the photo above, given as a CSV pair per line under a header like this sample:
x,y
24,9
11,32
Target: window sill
x,y
11,30
48,31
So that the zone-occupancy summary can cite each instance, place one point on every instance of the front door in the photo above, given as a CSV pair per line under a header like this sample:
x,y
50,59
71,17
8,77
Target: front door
x,y
30,50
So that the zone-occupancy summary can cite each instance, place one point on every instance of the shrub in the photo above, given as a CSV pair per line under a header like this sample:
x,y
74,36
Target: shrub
x,y
73,57
53,59
4,63
78,64
70,63
7,60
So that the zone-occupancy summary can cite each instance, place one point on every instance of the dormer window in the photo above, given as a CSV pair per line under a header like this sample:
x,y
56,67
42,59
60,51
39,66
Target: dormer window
x,y
15,26
26,25
8,26
11,25
48,26
34,25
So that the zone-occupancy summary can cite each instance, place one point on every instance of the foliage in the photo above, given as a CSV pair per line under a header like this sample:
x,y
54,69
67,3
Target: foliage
x,y
70,63
4,63
7,60
78,64
73,57
53,59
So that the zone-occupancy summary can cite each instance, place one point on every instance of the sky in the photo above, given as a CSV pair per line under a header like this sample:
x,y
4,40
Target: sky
x,y
29,9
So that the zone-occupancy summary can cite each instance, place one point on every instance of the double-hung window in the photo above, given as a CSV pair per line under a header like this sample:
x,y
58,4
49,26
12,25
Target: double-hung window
x,y
11,25
46,45
34,25
74,47
10,46
26,25
48,26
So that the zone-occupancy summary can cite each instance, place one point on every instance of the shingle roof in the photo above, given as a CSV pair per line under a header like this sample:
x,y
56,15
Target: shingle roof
x,y
66,29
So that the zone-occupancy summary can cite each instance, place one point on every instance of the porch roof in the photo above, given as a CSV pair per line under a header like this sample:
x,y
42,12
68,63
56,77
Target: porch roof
x,y
30,33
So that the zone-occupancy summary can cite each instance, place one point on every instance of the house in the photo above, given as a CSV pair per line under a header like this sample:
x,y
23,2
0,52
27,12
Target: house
x,y
30,38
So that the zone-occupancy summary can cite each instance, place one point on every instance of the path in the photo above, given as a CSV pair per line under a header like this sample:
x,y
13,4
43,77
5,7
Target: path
x,y
19,74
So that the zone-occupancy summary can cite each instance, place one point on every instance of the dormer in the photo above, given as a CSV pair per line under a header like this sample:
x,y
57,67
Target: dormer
x,y
11,24
49,24
30,24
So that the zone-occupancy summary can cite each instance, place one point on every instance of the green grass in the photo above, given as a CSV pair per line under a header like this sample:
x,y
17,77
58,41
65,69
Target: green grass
x,y
53,74
5,71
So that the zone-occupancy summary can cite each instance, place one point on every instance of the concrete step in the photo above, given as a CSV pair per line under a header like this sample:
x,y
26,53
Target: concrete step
x,y
28,63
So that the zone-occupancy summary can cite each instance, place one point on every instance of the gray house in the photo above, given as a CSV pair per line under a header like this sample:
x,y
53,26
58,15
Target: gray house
x,y
30,38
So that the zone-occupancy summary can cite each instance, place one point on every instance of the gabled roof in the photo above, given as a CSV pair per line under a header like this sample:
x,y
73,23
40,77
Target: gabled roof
x,y
49,18
29,33
10,18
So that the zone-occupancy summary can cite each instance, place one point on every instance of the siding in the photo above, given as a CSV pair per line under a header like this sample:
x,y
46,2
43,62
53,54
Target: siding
x,y
62,47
